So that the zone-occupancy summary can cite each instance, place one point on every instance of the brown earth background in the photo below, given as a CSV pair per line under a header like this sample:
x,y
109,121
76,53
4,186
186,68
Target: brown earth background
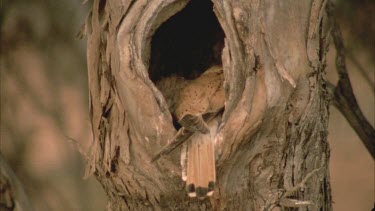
x,y
44,102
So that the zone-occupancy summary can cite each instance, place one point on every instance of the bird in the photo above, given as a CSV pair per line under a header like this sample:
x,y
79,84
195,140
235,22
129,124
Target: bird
x,y
197,107
204,95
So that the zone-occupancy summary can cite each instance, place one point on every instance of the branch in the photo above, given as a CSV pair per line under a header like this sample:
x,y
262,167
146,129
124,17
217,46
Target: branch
x,y
78,147
12,192
343,96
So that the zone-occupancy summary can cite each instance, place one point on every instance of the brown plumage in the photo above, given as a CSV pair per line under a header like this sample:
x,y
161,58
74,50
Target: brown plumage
x,y
201,96
200,168
195,106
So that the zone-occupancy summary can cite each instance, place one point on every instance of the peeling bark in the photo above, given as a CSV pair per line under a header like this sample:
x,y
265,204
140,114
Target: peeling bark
x,y
272,148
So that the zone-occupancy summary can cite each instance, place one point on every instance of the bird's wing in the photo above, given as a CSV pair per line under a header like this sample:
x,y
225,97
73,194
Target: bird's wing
x,y
204,95
194,123
181,136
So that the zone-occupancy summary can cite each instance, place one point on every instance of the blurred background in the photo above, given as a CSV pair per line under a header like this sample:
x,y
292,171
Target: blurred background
x,y
44,102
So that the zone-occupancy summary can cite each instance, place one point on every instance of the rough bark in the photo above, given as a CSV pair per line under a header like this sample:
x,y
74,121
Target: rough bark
x,y
272,148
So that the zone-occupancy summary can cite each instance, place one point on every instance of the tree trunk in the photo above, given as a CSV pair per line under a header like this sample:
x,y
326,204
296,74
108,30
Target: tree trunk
x,y
272,150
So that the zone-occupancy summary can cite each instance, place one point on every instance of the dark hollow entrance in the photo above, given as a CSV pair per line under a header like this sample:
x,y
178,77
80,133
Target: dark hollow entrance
x,y
187,43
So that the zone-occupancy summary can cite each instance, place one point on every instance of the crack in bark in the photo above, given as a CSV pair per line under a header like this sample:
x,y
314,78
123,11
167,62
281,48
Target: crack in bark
x,y
147,124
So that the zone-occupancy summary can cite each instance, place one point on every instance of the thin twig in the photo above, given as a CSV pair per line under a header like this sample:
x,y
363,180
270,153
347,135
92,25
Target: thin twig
x,y
78,147
301,184
288,202
344,98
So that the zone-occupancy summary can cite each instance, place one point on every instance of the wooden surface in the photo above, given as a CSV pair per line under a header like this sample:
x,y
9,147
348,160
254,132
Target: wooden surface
x,y
274,127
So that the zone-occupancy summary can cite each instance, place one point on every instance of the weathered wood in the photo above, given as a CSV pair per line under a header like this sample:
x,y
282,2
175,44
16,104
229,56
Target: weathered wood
x,y
274,127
